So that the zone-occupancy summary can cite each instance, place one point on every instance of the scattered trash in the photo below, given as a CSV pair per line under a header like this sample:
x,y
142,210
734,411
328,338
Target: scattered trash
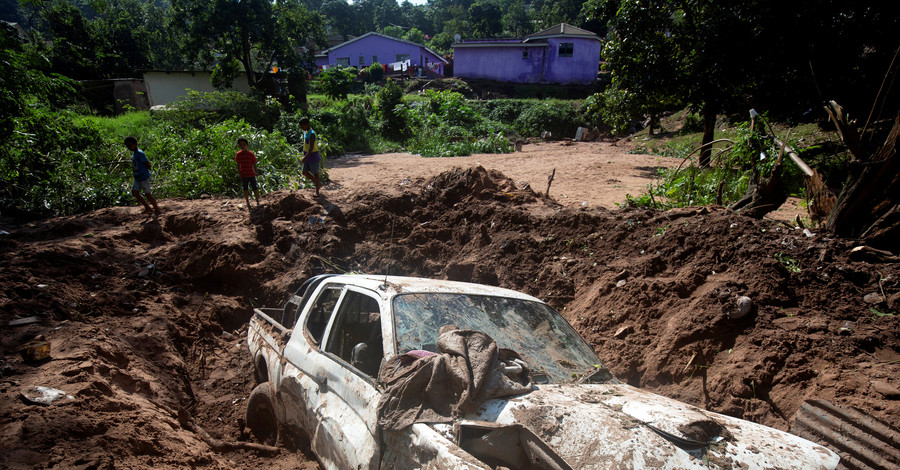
x,y
85,254
405,182
24,321
620,283
313,220
3,232
41,395
36,350
624,331
808,233
146,270
743,304
88,235
584,203
847,327
41,286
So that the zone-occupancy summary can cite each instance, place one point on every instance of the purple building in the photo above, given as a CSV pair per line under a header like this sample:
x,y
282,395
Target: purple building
x,y
362,51
563,55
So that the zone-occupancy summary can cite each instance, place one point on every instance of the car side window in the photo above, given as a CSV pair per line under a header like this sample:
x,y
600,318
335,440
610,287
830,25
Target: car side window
x,y
321,313
356,334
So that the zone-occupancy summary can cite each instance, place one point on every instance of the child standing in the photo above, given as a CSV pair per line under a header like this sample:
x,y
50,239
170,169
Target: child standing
x,y
246,161
140,166
311,156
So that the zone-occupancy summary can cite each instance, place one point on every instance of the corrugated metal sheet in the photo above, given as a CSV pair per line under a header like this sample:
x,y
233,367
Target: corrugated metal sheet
x,y
862,441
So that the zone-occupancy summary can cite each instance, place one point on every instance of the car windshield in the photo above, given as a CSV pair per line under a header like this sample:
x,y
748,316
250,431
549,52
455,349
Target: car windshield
x,y
555,353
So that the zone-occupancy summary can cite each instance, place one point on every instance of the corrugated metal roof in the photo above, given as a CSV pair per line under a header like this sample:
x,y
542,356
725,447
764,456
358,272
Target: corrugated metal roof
x,y
862,441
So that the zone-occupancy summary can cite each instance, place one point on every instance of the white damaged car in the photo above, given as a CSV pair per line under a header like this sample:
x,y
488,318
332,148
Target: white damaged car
x,y
395,372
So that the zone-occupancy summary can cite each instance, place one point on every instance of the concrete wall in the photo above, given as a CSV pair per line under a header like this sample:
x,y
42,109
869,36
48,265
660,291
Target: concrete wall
x,y
543,64
504,64
164,87
580,69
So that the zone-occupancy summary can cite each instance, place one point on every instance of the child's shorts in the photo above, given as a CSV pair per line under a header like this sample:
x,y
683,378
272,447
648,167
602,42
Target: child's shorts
x,y
249,182
141,186
312,167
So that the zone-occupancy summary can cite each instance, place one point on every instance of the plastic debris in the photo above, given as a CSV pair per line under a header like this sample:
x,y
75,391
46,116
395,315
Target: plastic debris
x,y
46,396
24,321
36,350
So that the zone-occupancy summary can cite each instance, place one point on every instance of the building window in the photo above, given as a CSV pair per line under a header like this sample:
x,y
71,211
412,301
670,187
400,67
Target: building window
x,y
343,61
525,54
374,59
362,61
566,49
402,57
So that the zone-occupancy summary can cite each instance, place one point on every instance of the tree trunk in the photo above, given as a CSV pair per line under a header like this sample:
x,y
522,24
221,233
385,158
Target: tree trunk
x,y
245,57
868,205
709,132
765,196
297,89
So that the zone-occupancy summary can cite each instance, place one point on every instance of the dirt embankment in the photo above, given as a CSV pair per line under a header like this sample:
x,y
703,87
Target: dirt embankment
x,y
146,317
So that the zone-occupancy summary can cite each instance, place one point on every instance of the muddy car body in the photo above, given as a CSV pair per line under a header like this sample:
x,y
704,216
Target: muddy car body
x,y
318,360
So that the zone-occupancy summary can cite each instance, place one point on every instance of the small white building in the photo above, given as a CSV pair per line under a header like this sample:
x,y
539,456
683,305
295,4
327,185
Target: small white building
x,y
164,86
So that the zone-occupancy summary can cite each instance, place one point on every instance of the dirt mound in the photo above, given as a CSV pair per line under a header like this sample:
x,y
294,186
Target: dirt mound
x,y
146,317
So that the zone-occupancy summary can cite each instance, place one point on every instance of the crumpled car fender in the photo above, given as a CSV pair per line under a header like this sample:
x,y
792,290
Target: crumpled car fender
x,y
420,446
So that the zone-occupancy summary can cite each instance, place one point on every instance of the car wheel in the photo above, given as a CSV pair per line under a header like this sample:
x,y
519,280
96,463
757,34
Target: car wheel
x,y
261,417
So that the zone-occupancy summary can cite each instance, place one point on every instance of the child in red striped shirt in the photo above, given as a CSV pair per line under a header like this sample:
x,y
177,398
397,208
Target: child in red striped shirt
x,y
246,161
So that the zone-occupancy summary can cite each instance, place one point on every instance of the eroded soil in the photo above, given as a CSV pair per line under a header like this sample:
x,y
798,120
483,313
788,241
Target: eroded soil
x,y
147,317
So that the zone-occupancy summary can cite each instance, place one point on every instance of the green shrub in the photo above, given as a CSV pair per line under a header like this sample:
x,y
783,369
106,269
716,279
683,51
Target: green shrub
x,y
342,127
376,72
390,118
735,166
338,82
199,109
558,117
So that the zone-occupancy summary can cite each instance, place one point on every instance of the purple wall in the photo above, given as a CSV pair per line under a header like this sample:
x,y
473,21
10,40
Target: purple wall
x,y
502,62
373,47
499,63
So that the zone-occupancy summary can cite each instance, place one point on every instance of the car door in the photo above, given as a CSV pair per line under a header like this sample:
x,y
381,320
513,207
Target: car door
x,y
337,384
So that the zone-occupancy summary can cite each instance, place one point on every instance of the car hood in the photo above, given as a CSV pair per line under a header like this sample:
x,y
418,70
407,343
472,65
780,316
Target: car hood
x,y
600,426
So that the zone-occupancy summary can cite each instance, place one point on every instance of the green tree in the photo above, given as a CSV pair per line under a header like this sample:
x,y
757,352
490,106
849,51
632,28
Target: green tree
x,y
339,16
414,35
441,42
393,31
516,20
730,57
256,33
486,20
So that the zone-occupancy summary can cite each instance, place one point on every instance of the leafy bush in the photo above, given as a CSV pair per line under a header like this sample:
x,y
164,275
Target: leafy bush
x,y
560,118
338,82
199,109
376,72
341,127
735,166
390,119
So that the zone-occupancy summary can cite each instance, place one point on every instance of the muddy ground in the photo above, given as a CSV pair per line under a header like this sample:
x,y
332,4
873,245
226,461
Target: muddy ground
x,y
146,317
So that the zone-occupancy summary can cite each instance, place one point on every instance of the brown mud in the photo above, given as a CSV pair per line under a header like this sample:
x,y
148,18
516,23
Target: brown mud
x,y
147,317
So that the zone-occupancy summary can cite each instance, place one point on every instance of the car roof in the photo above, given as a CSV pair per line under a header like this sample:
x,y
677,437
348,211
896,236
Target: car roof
x,y
394,285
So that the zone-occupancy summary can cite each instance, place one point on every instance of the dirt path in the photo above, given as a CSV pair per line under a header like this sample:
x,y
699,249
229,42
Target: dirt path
x,y
588,174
